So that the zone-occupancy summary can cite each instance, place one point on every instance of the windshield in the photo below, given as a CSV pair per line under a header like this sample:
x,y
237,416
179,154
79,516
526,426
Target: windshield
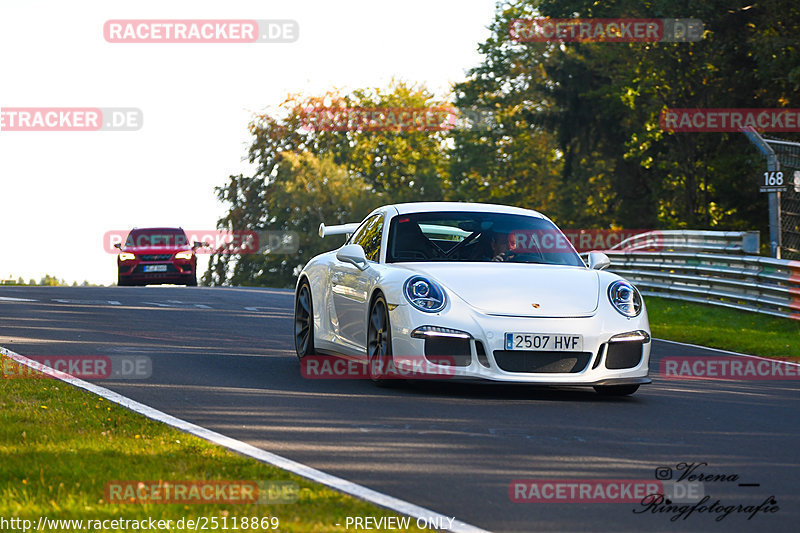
x,y
478,237
156,237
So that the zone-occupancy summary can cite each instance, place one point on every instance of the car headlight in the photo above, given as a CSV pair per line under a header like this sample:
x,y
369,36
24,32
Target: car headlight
x,y
184,255
625,298
126,256
426,332
424,294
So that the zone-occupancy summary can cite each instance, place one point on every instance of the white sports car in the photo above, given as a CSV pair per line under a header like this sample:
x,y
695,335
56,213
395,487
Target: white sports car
x,y
488,291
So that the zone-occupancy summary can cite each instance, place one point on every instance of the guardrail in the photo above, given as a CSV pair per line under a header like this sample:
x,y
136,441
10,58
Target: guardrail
x,y
698,240
750,283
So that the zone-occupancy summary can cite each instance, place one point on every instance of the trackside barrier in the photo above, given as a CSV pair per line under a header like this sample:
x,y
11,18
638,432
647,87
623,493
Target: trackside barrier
x,y
750,283
747,242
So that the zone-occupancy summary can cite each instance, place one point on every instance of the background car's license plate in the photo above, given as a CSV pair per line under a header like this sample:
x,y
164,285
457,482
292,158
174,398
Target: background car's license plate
x,y
155,268
557,342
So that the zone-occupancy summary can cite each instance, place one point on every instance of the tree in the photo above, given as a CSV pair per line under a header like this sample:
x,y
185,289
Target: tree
x,y
51,281
306,175
599,105
306,191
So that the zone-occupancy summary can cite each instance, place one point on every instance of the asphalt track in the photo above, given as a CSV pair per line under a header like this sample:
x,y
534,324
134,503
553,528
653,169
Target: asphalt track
x,y
223,359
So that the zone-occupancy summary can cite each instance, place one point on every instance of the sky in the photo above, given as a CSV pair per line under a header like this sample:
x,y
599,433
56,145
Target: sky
x,y
61,191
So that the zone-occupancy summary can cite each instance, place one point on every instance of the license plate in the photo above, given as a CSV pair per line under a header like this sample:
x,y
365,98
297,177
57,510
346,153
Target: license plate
x,y
155,268
555,342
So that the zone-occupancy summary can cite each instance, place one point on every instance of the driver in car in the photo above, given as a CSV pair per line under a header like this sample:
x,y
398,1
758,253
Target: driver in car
x,y
500,247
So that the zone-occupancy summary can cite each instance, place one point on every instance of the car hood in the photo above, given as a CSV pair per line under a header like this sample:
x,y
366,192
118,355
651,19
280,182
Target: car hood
x,y
514,289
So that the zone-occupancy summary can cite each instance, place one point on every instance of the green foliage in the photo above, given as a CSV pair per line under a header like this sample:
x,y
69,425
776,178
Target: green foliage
x,y
60,446
723,328
305,177
600,103
46,281
306,190
51,281
575,134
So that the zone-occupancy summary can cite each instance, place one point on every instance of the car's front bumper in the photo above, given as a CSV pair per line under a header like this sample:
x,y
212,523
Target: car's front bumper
x,y
604,359
175,271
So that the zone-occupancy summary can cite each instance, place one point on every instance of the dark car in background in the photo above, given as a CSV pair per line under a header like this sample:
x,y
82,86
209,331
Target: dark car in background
x,y
152,256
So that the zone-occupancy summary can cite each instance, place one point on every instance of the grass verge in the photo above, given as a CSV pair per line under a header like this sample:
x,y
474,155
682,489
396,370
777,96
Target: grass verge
x,y
60,445
720,327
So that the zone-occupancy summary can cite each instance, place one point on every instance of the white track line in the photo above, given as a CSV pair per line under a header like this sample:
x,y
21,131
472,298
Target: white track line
x,y
342,485
729,352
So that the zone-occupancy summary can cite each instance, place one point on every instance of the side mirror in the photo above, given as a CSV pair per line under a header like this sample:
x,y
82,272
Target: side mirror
x,y
118,246
353,254
199,244
598,261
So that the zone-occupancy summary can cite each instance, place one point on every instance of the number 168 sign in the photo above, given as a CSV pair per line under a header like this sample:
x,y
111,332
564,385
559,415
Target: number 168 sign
x,y
772,181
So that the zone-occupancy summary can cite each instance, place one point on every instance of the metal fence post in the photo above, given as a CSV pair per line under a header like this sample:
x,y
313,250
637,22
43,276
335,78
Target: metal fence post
x,y
774,198
774,212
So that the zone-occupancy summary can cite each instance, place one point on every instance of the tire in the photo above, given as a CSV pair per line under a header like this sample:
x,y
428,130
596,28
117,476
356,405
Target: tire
x,y
192,281
379,343
616,390
122,282
303,321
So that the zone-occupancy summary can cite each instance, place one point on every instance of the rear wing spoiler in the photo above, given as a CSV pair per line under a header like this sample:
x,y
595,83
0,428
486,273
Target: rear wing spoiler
x,y
342,229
